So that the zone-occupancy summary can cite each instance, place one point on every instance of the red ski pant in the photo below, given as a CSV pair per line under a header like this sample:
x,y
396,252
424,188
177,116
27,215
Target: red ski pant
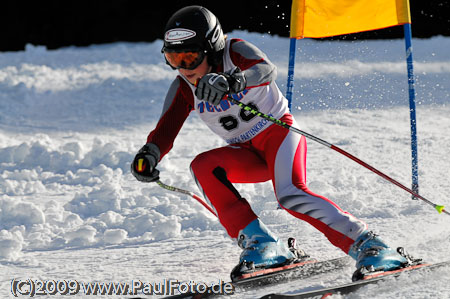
x,y
279,155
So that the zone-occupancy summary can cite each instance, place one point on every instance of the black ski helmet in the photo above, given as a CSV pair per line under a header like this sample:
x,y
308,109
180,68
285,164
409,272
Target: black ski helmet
x,y
195,28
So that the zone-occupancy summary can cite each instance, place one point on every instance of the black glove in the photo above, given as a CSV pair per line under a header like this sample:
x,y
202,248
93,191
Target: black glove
x,y
214,87
143,165
236,80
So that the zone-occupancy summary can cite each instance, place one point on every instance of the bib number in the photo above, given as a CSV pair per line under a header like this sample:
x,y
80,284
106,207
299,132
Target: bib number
x,y
231,122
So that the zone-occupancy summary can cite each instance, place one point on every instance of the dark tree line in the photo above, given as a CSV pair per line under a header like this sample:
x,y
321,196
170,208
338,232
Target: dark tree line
x,y
60,23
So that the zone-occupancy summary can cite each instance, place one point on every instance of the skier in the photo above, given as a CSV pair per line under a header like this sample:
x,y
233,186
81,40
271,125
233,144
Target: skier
x,y
211,67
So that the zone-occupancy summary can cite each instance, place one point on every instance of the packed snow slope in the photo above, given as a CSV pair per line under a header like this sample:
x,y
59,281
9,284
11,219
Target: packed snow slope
x,y
71,121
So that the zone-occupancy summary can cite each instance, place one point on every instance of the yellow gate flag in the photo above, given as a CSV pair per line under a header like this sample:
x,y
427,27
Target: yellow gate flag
x,y
323,18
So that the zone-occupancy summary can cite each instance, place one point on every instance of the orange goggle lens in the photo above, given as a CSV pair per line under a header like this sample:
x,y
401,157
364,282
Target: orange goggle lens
x,y
184,60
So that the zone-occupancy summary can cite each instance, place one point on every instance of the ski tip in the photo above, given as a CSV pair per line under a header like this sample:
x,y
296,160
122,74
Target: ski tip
x,y
440,209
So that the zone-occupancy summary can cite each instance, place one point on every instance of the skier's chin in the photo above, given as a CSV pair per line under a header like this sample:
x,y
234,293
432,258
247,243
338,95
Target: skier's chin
x,y
192,78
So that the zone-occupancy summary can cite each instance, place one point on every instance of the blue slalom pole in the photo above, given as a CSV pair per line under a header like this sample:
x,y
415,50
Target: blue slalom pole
x,y
291,68
290,77
412,107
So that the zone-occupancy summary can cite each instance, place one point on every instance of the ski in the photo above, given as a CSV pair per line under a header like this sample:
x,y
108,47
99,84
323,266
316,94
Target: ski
x,y
351,287
303,269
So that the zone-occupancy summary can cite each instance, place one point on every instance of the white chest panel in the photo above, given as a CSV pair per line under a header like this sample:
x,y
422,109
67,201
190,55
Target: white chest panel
x,y
230,121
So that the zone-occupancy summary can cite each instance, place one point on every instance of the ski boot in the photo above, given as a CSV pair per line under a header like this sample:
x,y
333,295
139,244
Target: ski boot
x,y
262,249
373,255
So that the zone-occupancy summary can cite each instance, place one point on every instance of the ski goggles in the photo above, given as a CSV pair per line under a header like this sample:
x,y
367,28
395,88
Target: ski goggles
x,y
184,60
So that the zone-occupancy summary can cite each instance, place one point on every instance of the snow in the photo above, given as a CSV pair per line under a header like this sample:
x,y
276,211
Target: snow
x,y
72,119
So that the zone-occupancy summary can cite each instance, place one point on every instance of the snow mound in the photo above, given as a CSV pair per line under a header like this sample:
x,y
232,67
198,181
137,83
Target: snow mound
x,y
15,213
11,243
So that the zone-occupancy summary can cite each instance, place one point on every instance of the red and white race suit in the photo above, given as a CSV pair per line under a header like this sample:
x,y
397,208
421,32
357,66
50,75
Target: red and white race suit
x,y
257,150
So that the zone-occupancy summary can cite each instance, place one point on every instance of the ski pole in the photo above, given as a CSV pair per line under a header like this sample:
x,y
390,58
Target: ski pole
x,y
191,194
439,208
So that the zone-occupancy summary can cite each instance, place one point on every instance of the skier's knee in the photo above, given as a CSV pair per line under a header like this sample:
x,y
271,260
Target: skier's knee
x,y
199,163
